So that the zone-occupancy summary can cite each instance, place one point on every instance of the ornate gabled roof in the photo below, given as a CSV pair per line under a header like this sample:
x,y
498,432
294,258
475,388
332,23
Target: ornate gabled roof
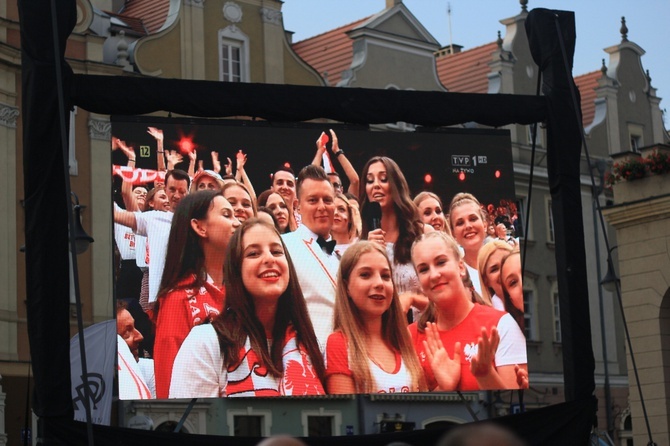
x,y
465,71
330,52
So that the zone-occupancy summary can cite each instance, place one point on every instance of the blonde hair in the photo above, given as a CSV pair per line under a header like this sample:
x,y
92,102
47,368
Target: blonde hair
x,y
349,321
464,198
482,259
422,196
430,313
353,216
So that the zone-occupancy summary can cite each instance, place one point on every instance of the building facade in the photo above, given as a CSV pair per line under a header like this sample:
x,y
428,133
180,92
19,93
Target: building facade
x,y
245,41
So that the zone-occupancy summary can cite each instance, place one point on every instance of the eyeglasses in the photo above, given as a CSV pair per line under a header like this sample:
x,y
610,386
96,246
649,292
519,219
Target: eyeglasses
x,y
337,185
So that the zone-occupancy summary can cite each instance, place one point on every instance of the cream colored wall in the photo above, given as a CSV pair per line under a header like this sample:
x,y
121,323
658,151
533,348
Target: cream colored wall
x,y
8,223
99,130
643,234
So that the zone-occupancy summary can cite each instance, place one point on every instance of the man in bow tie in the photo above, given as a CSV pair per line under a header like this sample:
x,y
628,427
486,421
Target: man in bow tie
x,y
311,248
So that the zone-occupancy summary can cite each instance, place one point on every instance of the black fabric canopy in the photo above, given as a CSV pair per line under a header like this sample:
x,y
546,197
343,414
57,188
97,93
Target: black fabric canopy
x,y
46,199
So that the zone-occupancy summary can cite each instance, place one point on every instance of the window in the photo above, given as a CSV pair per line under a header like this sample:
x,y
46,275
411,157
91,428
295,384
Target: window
x,y
635,132
72,160
249,422
626,428
529,314
520,220
231,61
319,426
556,309
540,135
550,222
321,423
248,425
233,55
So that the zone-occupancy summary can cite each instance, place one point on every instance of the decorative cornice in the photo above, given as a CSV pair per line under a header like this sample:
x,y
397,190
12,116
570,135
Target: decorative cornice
x,y
271,16
99,129
195,3
8,116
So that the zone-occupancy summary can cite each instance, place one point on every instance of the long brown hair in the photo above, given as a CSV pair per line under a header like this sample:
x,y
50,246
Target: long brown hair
x,y
263,201
349,321
410,225
239,318
185,256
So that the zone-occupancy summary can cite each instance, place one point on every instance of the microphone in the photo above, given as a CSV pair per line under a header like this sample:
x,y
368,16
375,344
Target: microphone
x,y
373,215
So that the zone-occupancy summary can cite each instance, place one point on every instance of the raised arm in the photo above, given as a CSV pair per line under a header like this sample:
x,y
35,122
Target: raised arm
x,y
320,149
126,186
160,150
173,158
216,164
192,159
349,170
241,174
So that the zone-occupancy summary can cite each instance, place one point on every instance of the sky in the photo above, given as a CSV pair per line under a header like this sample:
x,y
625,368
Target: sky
x,y
476,22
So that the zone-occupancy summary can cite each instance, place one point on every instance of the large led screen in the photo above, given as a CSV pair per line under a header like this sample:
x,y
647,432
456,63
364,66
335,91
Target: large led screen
x,y
394,266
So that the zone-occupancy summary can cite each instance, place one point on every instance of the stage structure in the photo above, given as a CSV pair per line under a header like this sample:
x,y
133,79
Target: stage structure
x,y
50,89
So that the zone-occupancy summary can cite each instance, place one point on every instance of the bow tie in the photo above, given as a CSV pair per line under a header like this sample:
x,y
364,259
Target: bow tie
x,y
327,247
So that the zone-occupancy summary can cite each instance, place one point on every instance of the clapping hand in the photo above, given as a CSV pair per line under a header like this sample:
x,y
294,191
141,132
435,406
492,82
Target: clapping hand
x,y
446,370
216,164
482,362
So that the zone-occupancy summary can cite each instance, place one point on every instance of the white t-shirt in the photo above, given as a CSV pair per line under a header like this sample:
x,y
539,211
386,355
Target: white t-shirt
x,y
474,277
155,226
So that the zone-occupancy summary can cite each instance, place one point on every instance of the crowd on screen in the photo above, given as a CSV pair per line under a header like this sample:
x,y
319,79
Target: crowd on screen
x,y
311,288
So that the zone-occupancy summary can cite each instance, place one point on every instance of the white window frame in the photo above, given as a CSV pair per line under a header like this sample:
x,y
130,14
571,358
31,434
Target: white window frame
x,y
551,234
232,36
539,141
266,415
635,136
72,159
335,415
556,313
522,204
530,311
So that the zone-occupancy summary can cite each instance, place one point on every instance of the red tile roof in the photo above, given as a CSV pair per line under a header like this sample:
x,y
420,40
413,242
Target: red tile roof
x,y
462,72
586,83
465,72
329,52
153,13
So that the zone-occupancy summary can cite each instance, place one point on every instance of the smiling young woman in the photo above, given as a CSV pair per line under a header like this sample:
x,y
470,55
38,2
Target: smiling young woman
x,y
370,350
384,183
264,343
462,345
191,291
468,226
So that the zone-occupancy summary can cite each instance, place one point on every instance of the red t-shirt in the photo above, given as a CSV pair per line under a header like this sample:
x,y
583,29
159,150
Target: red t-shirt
x,y
467,333
180,310
337,363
